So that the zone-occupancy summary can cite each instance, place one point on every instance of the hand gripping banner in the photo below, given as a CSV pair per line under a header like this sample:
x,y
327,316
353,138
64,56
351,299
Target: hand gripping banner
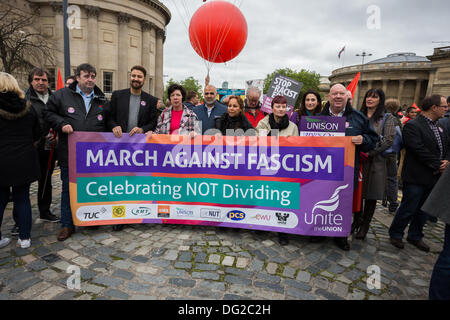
x,y
298,185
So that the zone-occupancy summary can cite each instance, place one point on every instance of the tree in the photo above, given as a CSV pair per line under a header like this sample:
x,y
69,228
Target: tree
x,y
189,84
310,80
21,46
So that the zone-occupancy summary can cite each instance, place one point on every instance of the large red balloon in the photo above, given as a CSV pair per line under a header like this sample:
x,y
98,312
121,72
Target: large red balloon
x,y
218,31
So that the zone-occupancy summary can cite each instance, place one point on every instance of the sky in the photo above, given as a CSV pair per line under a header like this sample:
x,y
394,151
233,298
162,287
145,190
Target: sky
x,y
308,35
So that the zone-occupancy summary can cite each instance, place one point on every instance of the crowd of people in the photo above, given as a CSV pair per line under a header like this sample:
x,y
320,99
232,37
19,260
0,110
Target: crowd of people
x,y
35,124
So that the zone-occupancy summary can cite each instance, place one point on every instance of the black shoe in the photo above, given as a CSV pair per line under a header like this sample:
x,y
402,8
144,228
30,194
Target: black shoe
x,y
15,230
49,217
419,244
398,243
283,239
342,243
384,203
117,227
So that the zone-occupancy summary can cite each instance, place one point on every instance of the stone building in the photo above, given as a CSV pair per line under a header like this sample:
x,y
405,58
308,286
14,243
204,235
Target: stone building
x,y
404,76
112,35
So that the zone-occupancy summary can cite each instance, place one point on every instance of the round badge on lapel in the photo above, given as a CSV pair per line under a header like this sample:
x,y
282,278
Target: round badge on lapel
x,y
99,117
440,130
71,110
143,103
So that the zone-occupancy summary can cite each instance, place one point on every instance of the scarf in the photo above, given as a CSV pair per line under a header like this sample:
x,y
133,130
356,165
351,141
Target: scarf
x,y
283,124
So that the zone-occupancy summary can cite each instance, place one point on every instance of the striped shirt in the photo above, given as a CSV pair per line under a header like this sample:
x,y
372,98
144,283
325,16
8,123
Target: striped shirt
x,y
435,129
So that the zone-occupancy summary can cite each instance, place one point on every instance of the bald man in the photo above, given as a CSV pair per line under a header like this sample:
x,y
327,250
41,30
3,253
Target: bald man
x,y
210,110
357,126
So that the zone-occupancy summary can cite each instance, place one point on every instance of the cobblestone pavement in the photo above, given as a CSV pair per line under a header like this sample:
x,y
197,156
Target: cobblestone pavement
x,y
192,262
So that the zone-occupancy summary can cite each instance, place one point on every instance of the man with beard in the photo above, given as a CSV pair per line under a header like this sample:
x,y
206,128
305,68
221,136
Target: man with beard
x,y
252,106
131,110
210,110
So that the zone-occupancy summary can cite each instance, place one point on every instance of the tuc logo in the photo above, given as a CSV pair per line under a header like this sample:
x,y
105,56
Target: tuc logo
x,y
118,211
236,215
141,211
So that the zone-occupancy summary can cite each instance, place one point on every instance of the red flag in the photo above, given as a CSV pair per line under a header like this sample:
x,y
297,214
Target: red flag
x,y
60,82
340,52
416,107
352,86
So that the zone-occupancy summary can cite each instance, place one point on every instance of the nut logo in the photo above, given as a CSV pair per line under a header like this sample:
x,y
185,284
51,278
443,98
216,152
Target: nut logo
x,y
118,211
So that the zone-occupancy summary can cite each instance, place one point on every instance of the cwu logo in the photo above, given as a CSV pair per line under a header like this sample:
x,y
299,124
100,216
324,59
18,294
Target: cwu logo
x,y
236,215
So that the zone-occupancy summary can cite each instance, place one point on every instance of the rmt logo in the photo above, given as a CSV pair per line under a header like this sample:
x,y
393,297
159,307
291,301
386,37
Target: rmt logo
x,y
282,217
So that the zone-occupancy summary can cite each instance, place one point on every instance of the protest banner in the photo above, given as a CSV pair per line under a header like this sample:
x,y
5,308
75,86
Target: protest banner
x,y
298,185
320,126
282,86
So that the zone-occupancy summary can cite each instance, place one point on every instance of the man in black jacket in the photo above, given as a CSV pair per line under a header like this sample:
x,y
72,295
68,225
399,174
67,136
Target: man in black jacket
x,y
427,155
38,94
78,107
131,110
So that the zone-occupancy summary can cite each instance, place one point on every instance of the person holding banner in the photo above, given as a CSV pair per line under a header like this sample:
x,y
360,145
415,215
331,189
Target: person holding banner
x,y
375,169
78,107
234,122
177,119
131,110
357,126
311,105
277,124
19,164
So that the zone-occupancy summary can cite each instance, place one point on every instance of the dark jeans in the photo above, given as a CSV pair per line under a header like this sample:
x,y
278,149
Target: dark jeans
x,y
44,196
440,279
414,196
392,181
66,214
22,205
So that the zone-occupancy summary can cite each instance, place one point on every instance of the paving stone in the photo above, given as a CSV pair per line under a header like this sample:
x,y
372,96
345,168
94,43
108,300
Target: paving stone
x,y
256,265
15,288
289,272
272,268
212,285
50,258
214,258
228,261
68,254
321,282
91,288
206,275
185,256
183,265
206,267
37,265
82,261
123,274
200,257
299,294
328,295
117,294
205,294
35,290
49,274
146,269
346,262
179,282
237,280
271,286
138,287
268,277
121,264
303,276
107,281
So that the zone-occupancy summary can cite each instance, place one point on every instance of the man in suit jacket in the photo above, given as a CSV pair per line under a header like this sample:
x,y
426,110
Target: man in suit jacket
x,y
132,110
210,110
427,155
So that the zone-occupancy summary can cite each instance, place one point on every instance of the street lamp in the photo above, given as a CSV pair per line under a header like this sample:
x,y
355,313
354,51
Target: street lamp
x,y
66,41
363,55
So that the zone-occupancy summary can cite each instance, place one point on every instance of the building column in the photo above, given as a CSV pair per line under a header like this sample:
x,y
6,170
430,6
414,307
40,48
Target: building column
x,y
59,37
417,92
159,61
385,84
92,30
401,87
122,72
369,84
147,27
431,83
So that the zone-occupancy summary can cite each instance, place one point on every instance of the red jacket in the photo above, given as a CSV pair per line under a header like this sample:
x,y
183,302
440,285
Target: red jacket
x,y
255,119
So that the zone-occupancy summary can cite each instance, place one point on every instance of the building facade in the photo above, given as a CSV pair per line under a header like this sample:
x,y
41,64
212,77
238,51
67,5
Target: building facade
x,y
403,76
112,35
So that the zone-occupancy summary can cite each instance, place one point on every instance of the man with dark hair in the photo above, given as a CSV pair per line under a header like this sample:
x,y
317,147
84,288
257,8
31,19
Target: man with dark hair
x,y
131,110
38,94
427,155
78,107
191,100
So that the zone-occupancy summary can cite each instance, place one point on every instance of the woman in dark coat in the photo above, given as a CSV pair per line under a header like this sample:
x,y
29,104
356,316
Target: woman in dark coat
x,y
374,169
234,122
19,166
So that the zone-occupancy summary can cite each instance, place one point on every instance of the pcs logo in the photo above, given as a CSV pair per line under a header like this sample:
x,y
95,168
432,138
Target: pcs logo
x,y
118,211
236,215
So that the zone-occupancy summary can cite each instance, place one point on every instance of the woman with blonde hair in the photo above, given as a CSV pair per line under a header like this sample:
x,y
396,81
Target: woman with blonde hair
x,y
19,166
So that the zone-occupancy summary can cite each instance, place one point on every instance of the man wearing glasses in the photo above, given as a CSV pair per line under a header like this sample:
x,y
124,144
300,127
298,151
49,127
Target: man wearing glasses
x,y
253,106
427,156
78,107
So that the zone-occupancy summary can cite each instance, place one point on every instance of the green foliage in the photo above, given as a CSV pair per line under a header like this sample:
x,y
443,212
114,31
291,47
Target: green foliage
x,y
310,80
189,84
